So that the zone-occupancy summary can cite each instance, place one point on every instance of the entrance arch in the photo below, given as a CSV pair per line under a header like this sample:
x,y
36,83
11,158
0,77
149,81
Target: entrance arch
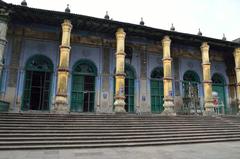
x,y
157,90
37,84
218,85
83,86
191,100
190,84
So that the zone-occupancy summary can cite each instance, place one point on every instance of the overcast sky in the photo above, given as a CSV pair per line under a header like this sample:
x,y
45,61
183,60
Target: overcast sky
x,y
213,17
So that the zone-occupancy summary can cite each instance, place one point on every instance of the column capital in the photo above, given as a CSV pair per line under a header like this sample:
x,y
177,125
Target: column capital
x,y
237,51
166,41
204,47
120,34
4,15
66,24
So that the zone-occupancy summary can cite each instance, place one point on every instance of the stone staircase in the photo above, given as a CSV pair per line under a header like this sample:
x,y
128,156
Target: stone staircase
x,y
52,131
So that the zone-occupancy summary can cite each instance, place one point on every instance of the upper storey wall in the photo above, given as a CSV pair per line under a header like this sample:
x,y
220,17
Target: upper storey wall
x,y
178,49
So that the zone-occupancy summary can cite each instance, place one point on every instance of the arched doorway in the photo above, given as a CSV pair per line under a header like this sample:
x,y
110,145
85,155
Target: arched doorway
x,y
37,85
83,86
129,88
190,83
191,100
218,85
157,90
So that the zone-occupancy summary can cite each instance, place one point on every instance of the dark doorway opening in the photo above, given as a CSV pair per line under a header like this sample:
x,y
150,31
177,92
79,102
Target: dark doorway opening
x,y
40,85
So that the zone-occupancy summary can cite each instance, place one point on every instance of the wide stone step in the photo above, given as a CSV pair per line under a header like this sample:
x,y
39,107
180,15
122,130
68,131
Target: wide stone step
x,y
111,145
143,136
110,130
69,134
80,125
72,128
101,141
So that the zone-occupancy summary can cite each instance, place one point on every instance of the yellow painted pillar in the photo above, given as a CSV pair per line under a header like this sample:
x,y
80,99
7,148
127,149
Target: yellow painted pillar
x,y
61,102
119,103
167,80
237,69
207,82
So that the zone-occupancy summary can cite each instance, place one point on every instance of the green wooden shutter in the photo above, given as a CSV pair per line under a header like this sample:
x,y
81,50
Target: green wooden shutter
x,y
27,91
77,93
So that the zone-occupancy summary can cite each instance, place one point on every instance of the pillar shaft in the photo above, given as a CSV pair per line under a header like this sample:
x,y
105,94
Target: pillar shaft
x,y
207,82
167,81
120,74
61,103
237,69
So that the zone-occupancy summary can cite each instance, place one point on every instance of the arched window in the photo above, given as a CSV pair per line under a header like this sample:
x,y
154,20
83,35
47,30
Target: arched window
x,y
157,90
218,79
37,85
83,86
191,76
157,73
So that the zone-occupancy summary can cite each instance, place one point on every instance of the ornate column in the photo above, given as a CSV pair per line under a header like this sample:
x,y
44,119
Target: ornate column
x,y
3,34
120,74
207,82
61,102
237,69
167,79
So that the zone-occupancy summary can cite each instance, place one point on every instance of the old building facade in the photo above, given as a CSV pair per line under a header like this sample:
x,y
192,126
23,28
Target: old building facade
x,y
60,62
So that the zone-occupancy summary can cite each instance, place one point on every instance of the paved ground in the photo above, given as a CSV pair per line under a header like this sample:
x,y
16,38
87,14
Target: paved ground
x,y
226,150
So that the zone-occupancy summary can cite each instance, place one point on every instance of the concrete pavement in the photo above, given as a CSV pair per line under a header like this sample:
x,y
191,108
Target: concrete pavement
x,y
223,150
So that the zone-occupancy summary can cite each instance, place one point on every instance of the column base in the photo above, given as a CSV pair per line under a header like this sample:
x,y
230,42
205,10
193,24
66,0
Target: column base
x,y
209,110
168,107
119,106
61,105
